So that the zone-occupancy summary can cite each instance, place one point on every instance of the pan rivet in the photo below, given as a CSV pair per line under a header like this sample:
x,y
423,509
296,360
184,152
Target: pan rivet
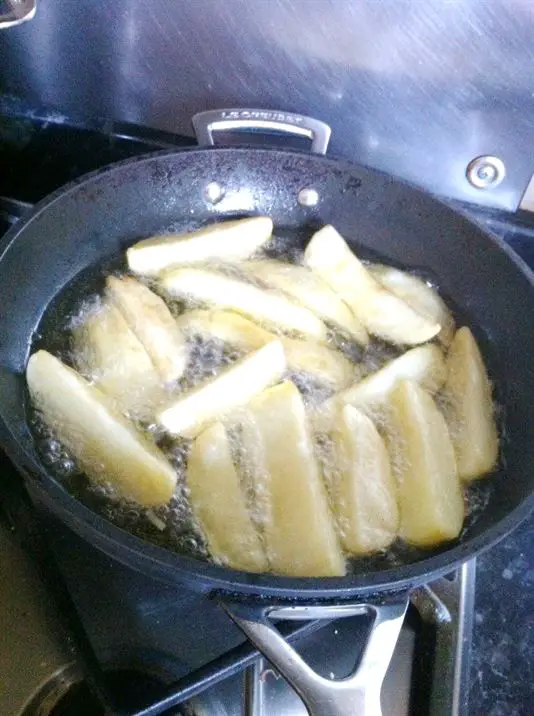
x,y
308,197
213,192
485,172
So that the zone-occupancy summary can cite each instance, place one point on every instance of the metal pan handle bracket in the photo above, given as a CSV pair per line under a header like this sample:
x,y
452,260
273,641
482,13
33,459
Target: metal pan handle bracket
x,y
206,124
356,695
18,11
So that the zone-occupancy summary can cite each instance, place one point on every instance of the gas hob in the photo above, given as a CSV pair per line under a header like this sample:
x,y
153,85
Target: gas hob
x,y
76,623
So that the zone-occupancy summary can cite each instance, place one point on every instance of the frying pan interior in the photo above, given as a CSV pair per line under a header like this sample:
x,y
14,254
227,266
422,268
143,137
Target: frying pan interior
x,y
99,216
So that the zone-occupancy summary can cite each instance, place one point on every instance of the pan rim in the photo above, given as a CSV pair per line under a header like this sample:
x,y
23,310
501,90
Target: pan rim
x,y
129,549
453,207
220,578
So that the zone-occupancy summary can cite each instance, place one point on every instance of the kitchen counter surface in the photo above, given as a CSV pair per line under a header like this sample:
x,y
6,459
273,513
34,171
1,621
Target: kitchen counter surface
x,y
502,670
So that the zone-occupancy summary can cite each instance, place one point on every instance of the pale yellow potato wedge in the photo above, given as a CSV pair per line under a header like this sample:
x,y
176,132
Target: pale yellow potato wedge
x,y
306,356
363,490
269,308
233,387
225,326
105,445
320,362
150,319
381,312
469,408
109,353
422,457
419,295
310,291
423,364
226,241
219,504
298,527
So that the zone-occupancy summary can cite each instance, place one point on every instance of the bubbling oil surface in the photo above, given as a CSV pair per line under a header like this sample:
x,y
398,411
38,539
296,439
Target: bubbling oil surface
x,y
173,526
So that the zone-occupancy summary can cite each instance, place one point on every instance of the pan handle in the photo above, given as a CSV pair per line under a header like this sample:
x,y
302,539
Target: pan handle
x,y
356,695
207,123
17,12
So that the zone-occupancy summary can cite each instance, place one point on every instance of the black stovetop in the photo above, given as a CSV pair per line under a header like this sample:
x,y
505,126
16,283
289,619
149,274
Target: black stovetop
x,y
39,152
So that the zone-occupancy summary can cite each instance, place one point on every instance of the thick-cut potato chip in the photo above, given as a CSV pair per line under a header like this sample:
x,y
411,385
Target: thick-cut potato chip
x,y
219,503
422,457
468,407
364,494
311,291
226,326
321,362
109,353
233,387
298,526
150,319
423,364
269,308
419,295
224,241
106,446
381,312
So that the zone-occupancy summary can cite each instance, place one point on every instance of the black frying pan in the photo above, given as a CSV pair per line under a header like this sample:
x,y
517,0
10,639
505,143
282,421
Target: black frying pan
x,y
98,216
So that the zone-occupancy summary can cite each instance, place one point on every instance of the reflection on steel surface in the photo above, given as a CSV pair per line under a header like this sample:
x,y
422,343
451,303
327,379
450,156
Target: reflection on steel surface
x,y
15,12
527,200
418,89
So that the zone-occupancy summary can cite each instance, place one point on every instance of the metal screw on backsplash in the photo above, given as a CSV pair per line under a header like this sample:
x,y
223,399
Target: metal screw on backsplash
x,y
213,192
308,197
485,172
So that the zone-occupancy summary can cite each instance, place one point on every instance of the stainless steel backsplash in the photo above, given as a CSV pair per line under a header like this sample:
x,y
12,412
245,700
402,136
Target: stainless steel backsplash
x,y
418,88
